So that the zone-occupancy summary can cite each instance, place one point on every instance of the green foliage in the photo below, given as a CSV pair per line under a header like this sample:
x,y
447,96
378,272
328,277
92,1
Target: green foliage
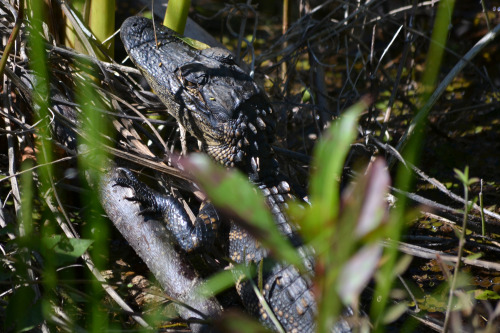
x,y
92,162
346,242
463,177
65,251
328,162
484,295
22,312
102,24
98,17
345,229
245,204
466,182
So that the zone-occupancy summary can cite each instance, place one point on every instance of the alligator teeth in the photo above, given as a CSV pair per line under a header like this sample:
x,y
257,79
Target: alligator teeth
x,y
245,142
261,123
240,144
256,145
237,133
252,128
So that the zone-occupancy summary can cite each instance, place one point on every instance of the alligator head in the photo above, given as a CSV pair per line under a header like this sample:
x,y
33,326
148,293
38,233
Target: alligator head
x,y
208,94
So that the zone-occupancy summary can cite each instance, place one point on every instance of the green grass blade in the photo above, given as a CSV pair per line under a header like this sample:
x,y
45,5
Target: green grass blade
x,y
102,24
176,15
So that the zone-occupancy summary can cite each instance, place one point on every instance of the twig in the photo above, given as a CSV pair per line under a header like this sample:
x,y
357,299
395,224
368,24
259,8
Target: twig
x,y
452,195
422,252
408,290
391,150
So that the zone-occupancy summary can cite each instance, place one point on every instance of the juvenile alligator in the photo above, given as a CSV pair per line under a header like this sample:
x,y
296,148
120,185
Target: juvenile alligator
x,y
220,105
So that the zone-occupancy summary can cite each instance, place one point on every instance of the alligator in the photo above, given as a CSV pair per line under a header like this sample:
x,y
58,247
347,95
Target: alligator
x,y
219,104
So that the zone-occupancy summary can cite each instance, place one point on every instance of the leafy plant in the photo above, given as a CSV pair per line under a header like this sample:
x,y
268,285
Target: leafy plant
x,y
347,240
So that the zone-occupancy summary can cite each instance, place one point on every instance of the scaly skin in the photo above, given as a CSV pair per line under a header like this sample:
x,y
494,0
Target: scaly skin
x,y
219,104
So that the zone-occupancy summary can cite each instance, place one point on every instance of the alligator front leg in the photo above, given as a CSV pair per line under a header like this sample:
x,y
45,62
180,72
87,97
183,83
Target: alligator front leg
x,y
189,236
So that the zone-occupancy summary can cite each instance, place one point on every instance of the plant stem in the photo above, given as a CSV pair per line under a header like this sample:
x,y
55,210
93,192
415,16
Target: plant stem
x,y
102,24
13,36
176,15
483,227
457,265
486,15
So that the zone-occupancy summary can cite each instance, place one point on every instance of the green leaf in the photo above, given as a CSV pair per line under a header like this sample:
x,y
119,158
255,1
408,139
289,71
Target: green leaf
x,y
217,283
394,312
462,176
402,264
475,256
66,250
176,15
329,158
194,43
357,271
485,295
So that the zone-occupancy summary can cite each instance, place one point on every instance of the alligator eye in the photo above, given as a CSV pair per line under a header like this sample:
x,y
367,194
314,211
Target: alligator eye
x,y
189,84
194,80
202,79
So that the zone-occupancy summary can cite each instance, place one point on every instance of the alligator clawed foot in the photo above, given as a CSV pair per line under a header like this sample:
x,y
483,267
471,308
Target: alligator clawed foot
x,y
142,193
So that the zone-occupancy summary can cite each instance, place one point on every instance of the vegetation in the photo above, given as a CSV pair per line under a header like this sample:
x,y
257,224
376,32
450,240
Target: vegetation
x,y
387,114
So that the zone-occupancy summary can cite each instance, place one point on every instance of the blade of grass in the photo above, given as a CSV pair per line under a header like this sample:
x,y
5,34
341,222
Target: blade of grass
x,y
97,227
71,39
176,15
329,158
40,95
102,24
